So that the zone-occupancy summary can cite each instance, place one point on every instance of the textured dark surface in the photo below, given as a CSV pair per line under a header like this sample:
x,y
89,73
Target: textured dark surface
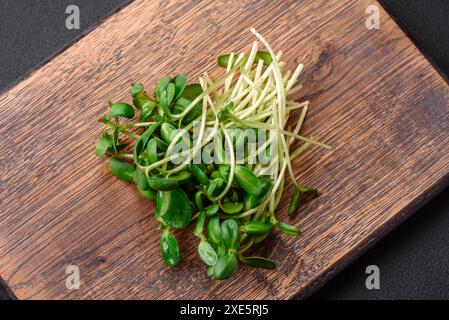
x,y
31,32
427,23
413,259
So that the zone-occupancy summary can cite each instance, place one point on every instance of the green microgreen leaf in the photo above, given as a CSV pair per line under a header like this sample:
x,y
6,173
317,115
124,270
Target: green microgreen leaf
x,y
165,93
257,228
142,142
258,262
224,171
163,184
115,139
151,151
198,231
121,109
230,234
174,208
169,248
214,185
207,253
232,207
224,114
141,180
212,209
192,91
265,56
210,271
223,60
199,174
225,266
161,87
181,104
308,190
103,145
136,88
161,145
215,175
168,132
141,99
251,201
171,91
180,84
259,239
294,202
146,110
288,229
214,230
248,180
198,200
121,169
182,177
148,194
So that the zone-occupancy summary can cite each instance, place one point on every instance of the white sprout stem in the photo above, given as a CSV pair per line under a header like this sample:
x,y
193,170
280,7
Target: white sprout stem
x,y
256,79
301,119
249,63
294,77
232,165
240,58
296,105
228,69
276,185
178,136
213,87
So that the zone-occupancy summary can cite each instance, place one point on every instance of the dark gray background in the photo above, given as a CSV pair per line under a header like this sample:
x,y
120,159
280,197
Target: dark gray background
x,y
413,259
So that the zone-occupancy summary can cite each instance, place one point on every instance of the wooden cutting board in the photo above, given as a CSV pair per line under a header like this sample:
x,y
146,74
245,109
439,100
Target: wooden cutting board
x,y
374,97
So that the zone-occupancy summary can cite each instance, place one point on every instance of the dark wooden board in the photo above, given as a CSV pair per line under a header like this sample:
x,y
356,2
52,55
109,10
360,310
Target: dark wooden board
x,y
374,98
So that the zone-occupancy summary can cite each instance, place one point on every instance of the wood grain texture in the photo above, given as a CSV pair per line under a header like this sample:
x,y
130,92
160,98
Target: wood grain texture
x,y
374,98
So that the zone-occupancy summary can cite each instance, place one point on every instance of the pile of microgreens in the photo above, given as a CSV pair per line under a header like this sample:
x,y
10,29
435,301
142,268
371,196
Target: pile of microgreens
x,y
232,205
